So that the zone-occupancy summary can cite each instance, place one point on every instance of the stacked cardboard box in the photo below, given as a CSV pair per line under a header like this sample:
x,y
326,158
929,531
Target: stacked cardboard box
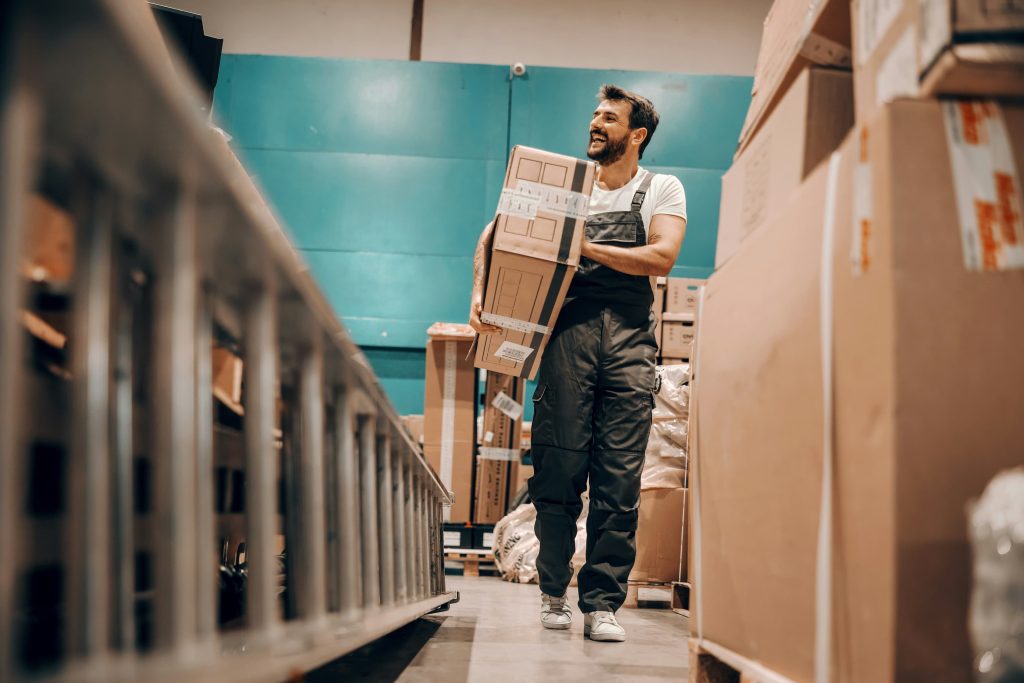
x,y
499,445
922,209
449,413
679,322
538,231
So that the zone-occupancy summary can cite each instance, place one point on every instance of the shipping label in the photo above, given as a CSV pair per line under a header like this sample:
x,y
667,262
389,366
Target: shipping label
x,y
986,184
452,539
863,209
489,539
874,18
554,199
507,405
513,352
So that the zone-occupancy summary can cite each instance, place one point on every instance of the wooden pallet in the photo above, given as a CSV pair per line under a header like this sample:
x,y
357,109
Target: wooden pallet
x,y
711,663
471,559
681,592
649,594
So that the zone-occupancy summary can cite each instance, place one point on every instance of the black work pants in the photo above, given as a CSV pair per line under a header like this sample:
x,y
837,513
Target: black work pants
x,y
592,417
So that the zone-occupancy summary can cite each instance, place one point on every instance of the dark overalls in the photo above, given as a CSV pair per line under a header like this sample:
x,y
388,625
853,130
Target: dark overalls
x,y
592,417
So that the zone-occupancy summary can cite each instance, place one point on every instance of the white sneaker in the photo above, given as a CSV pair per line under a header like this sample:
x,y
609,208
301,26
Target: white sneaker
x,y
603,626
554,613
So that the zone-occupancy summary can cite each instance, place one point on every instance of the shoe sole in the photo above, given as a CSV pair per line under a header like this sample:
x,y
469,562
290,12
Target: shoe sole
x,y
605,637
556,627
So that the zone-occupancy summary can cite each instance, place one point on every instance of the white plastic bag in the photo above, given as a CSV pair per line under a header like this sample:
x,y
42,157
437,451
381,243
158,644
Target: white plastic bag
x,y
997,601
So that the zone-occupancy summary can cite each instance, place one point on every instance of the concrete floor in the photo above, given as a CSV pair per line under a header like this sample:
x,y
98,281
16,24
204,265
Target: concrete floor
x,y
493,635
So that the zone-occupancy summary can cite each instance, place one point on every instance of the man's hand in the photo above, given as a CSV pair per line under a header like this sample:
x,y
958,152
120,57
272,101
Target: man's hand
x,y
477,324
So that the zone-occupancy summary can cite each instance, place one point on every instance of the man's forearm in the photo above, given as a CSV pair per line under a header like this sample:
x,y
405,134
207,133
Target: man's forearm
x,y
646,260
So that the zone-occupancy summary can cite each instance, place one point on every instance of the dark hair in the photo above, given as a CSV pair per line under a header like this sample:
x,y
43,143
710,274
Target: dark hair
x,y
642,113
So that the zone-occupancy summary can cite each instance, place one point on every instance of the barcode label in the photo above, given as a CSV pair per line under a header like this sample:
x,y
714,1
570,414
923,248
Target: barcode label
x,y
488,539
507,405
513,352
452,539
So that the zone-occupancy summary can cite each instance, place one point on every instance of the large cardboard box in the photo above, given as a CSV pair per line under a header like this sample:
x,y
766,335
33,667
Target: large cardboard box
x,y
499,445
659,536
797,34
912,444
681,295
520,474
808,124
678,333
538,233
449,413
927,48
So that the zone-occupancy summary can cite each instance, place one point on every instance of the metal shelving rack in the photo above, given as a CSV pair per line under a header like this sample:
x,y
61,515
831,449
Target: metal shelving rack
x,y
89,97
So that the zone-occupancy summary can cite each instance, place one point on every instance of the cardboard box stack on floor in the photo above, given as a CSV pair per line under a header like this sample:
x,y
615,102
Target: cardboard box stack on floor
x,y
921,212
679,321
538,231
522,469
449,413
499,445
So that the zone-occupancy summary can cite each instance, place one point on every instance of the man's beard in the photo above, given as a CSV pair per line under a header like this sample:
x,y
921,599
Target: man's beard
x,y
610,153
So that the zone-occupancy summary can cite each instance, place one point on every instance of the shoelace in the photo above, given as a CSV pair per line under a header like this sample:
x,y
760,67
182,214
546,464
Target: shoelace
x,y
604,618
555,604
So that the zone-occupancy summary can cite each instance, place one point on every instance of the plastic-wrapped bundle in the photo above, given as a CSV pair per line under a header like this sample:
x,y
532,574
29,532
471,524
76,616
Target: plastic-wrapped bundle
x,y
997,603
665,459
516,545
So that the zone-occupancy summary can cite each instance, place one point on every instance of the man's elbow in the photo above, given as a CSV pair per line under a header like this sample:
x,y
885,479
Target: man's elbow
x,y
664,265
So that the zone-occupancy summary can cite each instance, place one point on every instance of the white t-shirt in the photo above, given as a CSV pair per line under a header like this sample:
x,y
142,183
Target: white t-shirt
x,y
665,195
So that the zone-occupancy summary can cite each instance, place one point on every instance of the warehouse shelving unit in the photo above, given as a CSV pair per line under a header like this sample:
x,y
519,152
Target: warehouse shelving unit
x,y
109,554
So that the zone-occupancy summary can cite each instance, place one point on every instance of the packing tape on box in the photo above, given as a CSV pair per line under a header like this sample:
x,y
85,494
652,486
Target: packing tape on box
x,y
448,418
512,323
823,564
509,454
528,199
986,185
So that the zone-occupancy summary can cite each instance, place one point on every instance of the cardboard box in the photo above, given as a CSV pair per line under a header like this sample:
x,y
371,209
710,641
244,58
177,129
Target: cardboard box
x,y
681,295
797,34
520,474
677,336
911,449
660,285
659,536
449,413
669,360
538,232
499,445
939,47
227,376
808,124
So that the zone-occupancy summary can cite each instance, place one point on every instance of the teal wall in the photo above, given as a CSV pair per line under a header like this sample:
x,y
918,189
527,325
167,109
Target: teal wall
x,y
385,172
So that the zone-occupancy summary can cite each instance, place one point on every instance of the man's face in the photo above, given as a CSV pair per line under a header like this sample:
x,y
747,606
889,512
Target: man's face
x,y
609,132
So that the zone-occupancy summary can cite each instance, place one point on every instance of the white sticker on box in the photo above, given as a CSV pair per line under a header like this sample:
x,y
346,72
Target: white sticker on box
x,y
509,454
986,184
513,352
554,199
489,539
514,203
507,405
488,437
512,323
874,17
863,209
936,29
452,539
897,76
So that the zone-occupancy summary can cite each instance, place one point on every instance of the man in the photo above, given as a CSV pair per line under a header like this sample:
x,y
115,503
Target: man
x,y
595,391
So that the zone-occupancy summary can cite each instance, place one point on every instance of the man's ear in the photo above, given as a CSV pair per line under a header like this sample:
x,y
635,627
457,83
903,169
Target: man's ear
x,y
638,136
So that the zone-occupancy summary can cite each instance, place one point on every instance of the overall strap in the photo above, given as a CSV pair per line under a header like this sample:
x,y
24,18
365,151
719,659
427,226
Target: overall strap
x,y
641,192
